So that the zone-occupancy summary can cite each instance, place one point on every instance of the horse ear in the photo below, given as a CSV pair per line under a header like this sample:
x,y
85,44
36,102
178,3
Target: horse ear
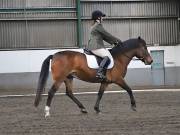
x,y
139,38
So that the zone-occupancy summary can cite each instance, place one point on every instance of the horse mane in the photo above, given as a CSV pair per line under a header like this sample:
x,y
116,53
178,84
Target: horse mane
x,y
126,46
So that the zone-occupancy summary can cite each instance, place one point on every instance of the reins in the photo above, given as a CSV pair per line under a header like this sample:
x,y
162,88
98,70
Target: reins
x,y
133,58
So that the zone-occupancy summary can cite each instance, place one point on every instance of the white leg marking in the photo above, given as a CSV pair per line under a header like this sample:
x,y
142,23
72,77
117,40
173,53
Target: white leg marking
x,y
46,110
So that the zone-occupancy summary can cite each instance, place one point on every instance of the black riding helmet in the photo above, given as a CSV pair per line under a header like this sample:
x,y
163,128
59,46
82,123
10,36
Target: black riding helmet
x,y
96,14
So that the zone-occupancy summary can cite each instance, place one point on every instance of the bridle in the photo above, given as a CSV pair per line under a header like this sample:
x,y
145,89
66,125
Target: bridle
x,y
141,59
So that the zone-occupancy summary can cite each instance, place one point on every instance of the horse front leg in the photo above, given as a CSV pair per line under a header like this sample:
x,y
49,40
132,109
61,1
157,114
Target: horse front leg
x,y
124,85
69,82
100,94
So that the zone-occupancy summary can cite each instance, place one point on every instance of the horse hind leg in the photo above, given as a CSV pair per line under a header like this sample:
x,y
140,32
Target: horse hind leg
x,y
68,83
51,94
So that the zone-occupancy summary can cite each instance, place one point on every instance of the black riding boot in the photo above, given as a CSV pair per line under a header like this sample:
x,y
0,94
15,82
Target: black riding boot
x,y
102,68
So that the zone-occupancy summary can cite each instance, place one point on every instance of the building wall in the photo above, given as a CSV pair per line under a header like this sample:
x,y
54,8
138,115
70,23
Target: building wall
x,y
145,76
41,25
20,69
155,21
27,24
177,65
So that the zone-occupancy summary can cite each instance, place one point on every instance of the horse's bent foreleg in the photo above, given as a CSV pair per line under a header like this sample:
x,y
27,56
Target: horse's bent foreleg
x,y
68,82
51,93
123,84
100,94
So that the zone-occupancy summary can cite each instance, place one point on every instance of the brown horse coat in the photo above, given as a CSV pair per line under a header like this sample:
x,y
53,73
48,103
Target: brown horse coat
x,y
68,64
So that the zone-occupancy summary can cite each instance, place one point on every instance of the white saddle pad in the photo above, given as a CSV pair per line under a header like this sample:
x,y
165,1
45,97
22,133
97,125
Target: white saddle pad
x,y
91,60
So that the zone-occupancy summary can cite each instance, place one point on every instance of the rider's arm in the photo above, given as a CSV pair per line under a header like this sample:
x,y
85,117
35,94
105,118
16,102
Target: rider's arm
x,y
107,36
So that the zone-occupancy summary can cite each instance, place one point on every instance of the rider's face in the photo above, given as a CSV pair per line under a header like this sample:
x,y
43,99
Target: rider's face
x,y
100,19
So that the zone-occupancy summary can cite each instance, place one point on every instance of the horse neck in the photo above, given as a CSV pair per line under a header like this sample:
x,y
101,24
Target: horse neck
x,y
125,57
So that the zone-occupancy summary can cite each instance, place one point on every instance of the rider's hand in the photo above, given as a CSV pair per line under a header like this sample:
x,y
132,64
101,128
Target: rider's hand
x,y
118,43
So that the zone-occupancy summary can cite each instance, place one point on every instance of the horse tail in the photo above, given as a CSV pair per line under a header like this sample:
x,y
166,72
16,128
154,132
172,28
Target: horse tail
x,y
42,79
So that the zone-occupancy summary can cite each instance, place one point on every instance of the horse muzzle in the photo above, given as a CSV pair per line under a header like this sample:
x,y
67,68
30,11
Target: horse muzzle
x,y
148,60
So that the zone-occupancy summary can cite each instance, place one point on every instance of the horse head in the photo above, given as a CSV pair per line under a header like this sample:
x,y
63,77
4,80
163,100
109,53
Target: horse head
x,y
133,47
142,52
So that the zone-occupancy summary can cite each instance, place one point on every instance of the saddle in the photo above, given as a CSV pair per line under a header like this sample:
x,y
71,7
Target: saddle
x,y
94,61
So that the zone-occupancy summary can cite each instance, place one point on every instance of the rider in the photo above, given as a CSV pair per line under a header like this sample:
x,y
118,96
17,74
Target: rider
x,y
96,45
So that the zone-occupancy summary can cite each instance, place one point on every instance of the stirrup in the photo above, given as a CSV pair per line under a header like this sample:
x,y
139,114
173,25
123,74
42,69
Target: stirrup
x,y
101,76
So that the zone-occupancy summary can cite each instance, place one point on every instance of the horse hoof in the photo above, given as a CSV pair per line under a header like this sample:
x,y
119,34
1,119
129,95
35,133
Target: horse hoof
x,y
133,108
84,110
47,115
47,111
97,110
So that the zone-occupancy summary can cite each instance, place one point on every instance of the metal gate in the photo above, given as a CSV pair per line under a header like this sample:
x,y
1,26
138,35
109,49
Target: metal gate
x,y
157,67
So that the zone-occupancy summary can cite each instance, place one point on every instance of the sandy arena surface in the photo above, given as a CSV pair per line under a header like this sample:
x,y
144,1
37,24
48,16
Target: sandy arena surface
x,y
158,113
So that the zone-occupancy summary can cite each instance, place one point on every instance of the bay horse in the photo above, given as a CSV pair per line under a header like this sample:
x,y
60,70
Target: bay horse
x,y
67,64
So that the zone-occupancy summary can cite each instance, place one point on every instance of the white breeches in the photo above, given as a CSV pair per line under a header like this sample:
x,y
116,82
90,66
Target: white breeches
x,y
103,52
